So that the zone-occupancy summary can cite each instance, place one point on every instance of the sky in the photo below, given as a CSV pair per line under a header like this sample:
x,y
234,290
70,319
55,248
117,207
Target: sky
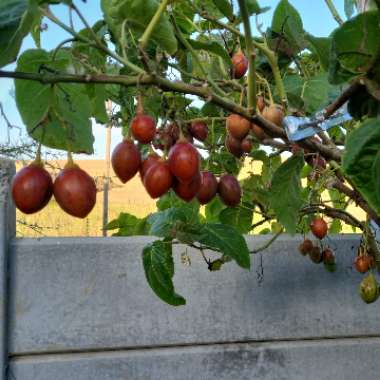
x,y
316,18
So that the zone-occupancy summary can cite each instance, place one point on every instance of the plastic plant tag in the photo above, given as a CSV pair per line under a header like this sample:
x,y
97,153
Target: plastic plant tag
x,y
299,128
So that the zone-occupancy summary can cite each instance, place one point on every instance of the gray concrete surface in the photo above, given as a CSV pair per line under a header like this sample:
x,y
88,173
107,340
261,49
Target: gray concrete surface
x,y
80,308
7,230
85,294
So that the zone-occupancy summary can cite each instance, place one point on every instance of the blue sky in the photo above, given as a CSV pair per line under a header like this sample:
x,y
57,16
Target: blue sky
x,y
315,15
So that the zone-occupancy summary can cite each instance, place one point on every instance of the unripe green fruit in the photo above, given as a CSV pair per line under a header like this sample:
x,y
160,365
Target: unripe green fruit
x,y
369,289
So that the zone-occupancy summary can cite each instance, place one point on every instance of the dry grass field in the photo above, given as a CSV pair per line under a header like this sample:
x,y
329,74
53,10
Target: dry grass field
x,y
131,198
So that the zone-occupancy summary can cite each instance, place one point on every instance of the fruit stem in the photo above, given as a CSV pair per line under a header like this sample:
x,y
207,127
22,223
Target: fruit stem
x,y
70,162
140,105
251,57
334,12
152,24
37,161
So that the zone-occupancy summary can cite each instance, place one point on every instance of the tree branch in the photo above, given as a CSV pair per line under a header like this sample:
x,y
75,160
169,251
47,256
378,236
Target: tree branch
x,y
176,86
342,99
334,213
251,57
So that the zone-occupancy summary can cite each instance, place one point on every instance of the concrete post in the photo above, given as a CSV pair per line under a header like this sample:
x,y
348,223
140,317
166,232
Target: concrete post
x,y
7,232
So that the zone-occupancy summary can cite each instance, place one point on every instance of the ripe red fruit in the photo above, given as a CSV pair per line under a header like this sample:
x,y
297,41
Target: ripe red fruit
x,y
199,130
246,145
126,160
328,256
315,255
143,128
184,161
239,65
296,148
319,162
306,247
229,190
274,114
208,188
75,191
158,179
32,188
148,162
260,103
319,228
238,126
233,146
187,191
258,132
363,263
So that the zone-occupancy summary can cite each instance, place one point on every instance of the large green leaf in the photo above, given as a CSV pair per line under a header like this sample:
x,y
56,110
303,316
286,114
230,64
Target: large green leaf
x,y
315,93
321,46
57,116
16,20
212,47
353,47
285,194
181,223
238,217
129,225
287,21
227,240
361,161
159,271
224,7
138,14
294,85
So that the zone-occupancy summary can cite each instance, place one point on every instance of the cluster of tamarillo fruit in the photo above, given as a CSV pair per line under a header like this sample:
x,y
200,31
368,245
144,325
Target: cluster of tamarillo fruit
x,y
240,130
317,253
179,171
369,289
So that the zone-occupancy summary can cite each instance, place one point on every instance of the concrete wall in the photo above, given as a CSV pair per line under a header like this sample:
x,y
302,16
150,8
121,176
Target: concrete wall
x,y
81,309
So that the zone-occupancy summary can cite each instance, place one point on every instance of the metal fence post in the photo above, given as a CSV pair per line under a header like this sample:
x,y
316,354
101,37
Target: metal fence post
x,y
7,232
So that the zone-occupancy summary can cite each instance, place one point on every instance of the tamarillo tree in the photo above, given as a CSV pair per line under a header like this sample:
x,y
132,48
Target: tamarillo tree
x,y
198,95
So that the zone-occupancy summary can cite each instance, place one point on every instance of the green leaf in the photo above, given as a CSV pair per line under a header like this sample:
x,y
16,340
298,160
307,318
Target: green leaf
x,y
180,223
285,194
238,217
361,161
227,240
129,225
287,21
213,210
170,200
57,116
321,46
138,14
335,227
159,271
294,85
315,93
211,46
98,96
224,7
165,223
353,47
16,20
